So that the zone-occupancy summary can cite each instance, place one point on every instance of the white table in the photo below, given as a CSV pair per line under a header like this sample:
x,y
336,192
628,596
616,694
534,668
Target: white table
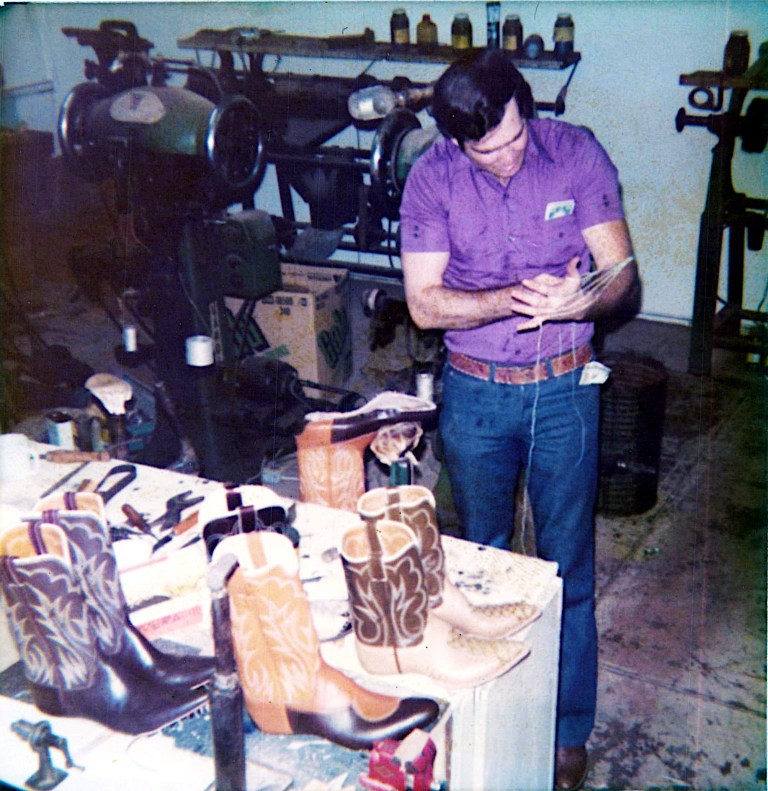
x,y
496,736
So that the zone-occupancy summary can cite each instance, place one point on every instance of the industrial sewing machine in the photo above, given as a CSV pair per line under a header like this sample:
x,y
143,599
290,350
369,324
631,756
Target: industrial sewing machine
x,y
181,156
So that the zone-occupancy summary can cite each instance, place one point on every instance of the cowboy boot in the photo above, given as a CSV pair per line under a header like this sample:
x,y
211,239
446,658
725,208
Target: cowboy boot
x,y
288,687
52,626
415,507
332,445
390,613
120,643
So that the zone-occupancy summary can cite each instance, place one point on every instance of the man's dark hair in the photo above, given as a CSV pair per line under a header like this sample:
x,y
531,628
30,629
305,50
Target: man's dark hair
x,y
470,96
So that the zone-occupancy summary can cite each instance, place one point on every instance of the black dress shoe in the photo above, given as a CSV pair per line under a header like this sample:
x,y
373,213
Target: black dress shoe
x,y
570,768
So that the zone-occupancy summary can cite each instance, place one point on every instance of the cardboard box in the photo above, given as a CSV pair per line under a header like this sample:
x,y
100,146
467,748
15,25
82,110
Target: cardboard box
x,y
305,324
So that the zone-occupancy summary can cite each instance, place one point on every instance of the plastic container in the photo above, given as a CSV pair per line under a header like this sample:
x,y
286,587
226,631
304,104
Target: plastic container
x,y
512,33
533,46
461,32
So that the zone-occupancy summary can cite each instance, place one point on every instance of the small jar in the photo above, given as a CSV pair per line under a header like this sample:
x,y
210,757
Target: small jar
x,y
736,54
426,33
461,32
399,27
533,46
563,35
513,33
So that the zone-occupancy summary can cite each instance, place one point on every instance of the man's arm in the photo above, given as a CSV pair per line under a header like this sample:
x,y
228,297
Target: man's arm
x,y
549,298
434,306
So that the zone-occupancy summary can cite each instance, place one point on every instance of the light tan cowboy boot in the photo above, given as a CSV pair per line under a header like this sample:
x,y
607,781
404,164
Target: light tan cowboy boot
x,y
394,629
415,507
288,687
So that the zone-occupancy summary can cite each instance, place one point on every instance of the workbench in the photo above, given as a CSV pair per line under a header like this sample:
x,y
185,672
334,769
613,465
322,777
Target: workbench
x,y
496,736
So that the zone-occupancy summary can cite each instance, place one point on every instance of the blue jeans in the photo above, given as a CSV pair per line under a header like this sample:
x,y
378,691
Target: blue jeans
x,y
550,428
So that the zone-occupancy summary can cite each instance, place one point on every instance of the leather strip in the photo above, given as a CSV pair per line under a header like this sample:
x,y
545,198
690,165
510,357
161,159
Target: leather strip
x,y
521,375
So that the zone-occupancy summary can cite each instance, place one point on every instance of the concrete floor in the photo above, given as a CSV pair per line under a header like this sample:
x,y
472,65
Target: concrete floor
x,y
681,588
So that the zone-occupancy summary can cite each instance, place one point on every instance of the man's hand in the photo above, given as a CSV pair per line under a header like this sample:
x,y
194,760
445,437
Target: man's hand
x,y
546,297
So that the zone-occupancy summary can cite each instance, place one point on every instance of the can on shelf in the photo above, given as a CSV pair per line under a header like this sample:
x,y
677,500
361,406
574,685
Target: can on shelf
x,y
399,27
563,35
513,33
461,32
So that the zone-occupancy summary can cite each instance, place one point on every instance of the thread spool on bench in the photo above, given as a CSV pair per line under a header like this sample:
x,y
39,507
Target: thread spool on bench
x,y
633,402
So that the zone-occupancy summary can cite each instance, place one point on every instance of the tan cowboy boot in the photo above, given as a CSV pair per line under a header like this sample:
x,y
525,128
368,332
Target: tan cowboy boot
x,y
287,686
415,507
394,630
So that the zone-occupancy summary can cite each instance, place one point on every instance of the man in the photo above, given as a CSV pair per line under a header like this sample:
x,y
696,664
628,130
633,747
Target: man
x,y
514,241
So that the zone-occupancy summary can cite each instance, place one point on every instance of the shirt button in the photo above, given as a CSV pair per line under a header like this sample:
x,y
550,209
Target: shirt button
x,y
511,237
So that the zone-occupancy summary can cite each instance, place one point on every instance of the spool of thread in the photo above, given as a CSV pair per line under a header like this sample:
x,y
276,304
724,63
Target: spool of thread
x,y
199,351
425,386
130,343
61,430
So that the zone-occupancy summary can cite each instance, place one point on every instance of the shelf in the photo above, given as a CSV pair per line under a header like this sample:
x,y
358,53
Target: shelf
x,y
359,47
717,79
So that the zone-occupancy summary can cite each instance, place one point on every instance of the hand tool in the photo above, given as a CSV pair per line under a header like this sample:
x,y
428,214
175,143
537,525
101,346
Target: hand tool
x,y
63,480
72,456
135,519
174,507
125,473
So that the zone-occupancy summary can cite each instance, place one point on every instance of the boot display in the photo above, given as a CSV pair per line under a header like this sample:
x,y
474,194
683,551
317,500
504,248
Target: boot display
x,y
394,629
288,687
52,624
414,506
120,643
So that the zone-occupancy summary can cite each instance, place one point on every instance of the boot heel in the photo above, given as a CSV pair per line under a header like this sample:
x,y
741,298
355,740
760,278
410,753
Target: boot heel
x,y
269,717
47,699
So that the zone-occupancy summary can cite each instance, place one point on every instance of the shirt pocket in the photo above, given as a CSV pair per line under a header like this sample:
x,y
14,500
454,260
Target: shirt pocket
x,y
550,243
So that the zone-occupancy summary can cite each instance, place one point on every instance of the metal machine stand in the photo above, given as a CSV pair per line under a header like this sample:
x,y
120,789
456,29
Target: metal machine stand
x,y
743,216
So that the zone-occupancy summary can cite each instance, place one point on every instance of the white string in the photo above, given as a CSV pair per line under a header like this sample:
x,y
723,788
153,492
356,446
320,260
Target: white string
x,y
526,500
592,284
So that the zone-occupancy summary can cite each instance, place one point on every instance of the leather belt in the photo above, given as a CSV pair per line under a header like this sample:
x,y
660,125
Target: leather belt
x,y
521,375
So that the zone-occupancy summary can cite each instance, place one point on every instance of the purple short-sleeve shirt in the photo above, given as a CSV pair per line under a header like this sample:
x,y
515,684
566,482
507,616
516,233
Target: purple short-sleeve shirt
x,y
498,235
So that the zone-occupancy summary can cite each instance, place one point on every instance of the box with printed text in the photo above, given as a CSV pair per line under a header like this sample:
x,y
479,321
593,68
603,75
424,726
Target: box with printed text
x,y
305,324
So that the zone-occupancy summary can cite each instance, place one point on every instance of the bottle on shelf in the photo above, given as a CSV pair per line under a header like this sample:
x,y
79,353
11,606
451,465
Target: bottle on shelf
x,y
493,14
399,27
426,33
563,35
513,33
461,32
736,54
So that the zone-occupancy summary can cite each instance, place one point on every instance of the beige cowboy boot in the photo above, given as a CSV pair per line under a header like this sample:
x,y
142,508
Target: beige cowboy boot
x,y
394,630
415,507
287,686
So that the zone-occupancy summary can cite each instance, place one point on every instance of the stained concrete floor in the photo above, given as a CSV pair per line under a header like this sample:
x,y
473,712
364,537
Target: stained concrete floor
x,y
681,588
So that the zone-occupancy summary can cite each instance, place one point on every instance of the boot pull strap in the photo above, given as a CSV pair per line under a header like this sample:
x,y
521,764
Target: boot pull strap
x,y
393,509
35,533
377,568
248,521
234,500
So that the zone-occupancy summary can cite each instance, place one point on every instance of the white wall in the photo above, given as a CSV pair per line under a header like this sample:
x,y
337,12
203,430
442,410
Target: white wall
x,y
626,89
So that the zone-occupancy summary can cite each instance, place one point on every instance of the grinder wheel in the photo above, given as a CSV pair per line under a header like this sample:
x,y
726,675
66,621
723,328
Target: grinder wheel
x,y
235,143
386,189
78,150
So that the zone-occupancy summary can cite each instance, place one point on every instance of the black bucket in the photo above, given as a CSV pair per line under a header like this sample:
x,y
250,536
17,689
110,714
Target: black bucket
x,y
633,400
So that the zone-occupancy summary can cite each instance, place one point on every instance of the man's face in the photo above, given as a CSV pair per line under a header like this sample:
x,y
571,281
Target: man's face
x,y
501,151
